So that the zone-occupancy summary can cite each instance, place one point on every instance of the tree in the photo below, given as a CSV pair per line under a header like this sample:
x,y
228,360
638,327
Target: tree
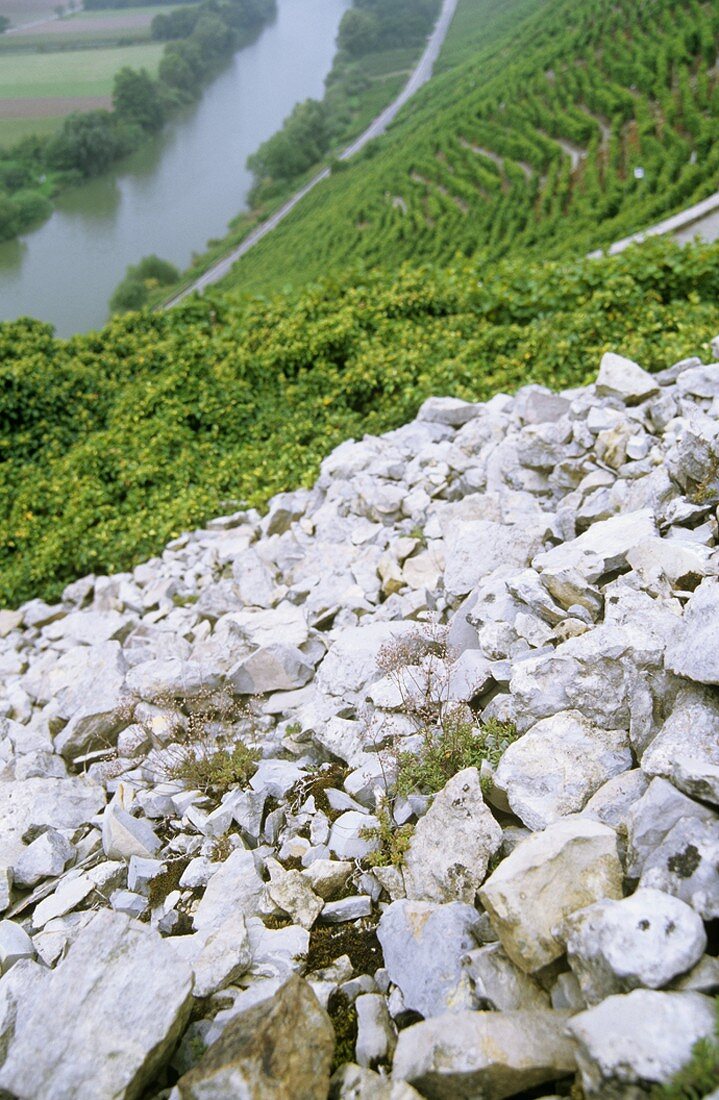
x,y
358,32
4,23
9,218
302,141
136,98
88,143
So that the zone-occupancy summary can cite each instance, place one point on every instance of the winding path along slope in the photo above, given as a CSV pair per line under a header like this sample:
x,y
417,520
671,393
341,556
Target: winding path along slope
x,y
420,75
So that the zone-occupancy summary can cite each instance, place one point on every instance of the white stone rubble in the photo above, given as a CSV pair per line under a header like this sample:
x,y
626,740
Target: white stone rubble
x,y
534,579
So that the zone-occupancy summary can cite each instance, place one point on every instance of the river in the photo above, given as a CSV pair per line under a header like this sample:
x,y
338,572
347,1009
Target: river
x,y
180,189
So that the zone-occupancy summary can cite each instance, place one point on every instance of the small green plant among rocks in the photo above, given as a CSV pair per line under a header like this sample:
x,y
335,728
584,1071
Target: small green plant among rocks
x,y
204,749
461,742
214,770
700,1076
393,840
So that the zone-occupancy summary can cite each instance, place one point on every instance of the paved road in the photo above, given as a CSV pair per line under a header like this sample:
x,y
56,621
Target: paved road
x,y
701,219
420,76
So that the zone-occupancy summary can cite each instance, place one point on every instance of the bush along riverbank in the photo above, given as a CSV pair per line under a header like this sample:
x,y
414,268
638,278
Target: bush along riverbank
x,y
416,775
90,142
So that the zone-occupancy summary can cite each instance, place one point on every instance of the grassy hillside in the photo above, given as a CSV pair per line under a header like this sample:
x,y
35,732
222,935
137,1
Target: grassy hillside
x,y
112,443
527,141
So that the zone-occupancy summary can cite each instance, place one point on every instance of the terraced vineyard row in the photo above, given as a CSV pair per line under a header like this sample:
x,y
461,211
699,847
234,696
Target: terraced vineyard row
x,y
519,149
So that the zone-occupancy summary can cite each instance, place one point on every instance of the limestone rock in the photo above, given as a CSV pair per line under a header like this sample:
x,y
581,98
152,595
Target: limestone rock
x,y
499,984
558,765
653,816
50,802
235,887
276,667
452,844
548,876
46,857
376,1036
686,864
476,548
104,1021
123,835
620,377
634,1040
644,940
686,749
87,687
347,839
352,1082
423,945
277,1048
293,893
15,944
600,549
693,652
487,1054
224,956
352,661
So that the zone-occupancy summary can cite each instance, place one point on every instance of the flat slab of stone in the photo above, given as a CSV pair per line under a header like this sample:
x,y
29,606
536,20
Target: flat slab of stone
x,y
484,1054
104,1021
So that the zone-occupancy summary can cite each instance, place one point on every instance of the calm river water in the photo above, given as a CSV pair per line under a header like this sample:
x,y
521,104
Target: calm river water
x,y
179,190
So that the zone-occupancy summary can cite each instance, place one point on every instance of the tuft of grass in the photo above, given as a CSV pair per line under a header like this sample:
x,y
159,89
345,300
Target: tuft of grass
x,y
460,742
393,841
214,771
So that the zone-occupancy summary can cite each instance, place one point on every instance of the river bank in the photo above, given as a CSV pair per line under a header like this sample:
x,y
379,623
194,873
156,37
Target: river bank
x,y
180,189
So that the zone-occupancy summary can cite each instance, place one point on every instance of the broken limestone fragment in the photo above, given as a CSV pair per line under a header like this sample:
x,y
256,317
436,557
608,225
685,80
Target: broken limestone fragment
x,y
548,876
280,1047
487,1054
46,857
423,946
644,940
293,893
123,835
653,816
686,749
625,379
693,651
686,864
352,1082
499,984
103,1022
634,1040
452,844
558,765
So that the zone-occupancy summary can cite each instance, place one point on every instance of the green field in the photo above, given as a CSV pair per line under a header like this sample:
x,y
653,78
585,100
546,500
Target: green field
x,y
13,130
75,73
126,26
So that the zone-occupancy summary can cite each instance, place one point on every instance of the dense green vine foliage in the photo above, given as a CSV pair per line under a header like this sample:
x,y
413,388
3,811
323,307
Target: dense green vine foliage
x,y
113,442
555,127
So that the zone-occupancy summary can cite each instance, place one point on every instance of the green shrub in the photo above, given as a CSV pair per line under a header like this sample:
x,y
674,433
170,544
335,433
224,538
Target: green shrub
x,y
213,770
461,742
393,841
